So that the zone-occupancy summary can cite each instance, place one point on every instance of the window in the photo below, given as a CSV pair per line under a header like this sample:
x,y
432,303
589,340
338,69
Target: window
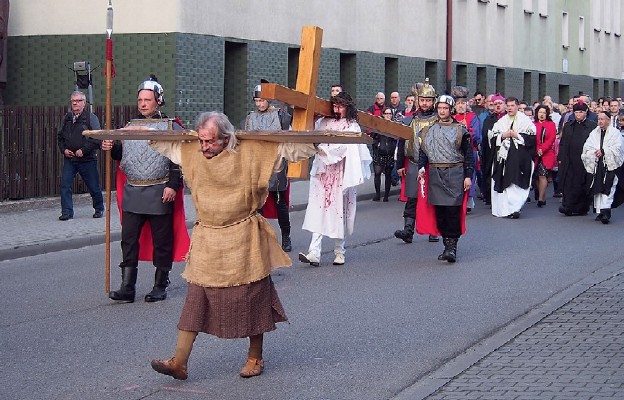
x,y
565,39
581,33
528,6
542,8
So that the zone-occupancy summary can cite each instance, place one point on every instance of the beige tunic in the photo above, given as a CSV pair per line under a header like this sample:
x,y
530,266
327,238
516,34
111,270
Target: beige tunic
x,y
231,243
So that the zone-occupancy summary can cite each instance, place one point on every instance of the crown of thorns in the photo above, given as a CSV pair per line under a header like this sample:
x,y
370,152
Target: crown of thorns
x,y
343,98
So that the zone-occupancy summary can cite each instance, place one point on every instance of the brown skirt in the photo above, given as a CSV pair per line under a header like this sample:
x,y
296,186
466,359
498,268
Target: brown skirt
x,y
232,312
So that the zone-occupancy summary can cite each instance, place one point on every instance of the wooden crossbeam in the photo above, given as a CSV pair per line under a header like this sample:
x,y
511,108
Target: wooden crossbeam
x,y
273,91
268,136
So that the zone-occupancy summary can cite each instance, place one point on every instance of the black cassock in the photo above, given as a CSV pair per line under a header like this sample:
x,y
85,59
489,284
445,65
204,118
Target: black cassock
x,y
574,181
517,168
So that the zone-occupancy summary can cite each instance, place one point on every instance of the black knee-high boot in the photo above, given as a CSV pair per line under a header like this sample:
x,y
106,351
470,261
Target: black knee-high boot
x,y
159,291
126,291
450,250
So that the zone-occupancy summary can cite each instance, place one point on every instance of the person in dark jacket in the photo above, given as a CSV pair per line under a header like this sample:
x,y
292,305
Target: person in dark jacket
x,y
80,156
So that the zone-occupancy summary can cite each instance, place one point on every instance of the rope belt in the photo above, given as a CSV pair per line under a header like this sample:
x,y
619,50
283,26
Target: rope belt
x,y
198,222
446,165
148,182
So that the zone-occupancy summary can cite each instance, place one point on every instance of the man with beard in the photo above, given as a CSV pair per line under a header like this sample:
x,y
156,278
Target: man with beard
x,y
228,269
473,125
603,156
573,179
513,137
336,172
446,151
496,110
425,116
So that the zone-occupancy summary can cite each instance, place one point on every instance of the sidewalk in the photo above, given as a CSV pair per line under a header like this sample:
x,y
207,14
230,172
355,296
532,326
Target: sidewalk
x,y
570,347
31,227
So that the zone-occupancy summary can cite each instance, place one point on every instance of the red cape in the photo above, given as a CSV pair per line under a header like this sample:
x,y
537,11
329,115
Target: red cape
x,y
269,210
181,240
425,213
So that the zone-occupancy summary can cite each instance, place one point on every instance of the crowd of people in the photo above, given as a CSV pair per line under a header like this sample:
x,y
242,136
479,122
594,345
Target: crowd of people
x,y
461,148
517,147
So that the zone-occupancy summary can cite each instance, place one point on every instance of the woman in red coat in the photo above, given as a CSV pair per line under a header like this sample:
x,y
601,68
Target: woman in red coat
x,y
546,159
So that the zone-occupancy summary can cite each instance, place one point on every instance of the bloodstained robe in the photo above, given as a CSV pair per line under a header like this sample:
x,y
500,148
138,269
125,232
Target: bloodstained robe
x,y
574,181
512,167
231,243
333,180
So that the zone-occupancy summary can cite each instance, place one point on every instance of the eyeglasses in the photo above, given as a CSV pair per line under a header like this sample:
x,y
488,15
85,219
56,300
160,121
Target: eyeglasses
x,y
77,100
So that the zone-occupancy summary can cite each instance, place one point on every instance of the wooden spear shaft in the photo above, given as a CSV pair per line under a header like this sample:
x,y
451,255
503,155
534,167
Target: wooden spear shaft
x,y
109,125
109,70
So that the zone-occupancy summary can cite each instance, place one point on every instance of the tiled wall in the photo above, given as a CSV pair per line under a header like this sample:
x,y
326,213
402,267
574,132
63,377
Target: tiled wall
x,y
191,68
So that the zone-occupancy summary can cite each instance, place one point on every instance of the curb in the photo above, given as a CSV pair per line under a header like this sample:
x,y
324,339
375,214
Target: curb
x,y
50,246
429,384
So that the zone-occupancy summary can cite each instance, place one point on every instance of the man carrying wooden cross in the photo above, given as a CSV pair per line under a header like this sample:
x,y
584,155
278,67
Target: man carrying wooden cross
x,y
233,248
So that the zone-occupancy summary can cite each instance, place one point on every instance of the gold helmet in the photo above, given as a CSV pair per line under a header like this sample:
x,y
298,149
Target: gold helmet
x,y
427,90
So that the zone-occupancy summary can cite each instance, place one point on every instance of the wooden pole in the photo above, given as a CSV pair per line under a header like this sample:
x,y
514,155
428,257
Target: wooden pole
x,y
109,125
109,84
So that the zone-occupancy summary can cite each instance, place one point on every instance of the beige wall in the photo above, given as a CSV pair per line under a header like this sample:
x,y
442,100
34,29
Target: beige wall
x,y
484,33
67,17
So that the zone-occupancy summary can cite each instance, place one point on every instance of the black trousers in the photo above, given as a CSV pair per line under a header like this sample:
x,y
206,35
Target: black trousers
x,y
283,219
410,208
387,171
162,238
448,220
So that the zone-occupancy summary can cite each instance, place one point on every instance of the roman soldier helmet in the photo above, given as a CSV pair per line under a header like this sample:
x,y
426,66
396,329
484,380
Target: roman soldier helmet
x,y
447,99
257,94
427,90
459,92
416,88
153,85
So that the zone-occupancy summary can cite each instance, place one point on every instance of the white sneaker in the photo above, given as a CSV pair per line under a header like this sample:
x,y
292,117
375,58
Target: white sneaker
x,y
339,259
310,259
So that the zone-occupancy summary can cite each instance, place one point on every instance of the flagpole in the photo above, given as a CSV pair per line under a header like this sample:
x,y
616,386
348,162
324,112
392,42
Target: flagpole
x,y
109,87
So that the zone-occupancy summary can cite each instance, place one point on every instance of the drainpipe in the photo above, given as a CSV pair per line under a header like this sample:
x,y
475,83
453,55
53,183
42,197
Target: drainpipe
x,y
449,44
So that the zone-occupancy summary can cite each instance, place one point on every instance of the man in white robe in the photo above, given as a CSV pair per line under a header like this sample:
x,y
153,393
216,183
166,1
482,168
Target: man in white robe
x,y
512,168
603,156
336,172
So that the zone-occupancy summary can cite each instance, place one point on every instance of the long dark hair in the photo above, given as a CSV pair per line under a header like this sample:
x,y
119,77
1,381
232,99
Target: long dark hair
x,y
537,110
345,99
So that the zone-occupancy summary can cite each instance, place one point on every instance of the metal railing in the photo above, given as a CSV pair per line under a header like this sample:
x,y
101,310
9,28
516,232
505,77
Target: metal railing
x,y
31,164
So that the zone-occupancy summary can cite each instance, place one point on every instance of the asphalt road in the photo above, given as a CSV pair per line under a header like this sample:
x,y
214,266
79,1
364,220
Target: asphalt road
x,y
367,330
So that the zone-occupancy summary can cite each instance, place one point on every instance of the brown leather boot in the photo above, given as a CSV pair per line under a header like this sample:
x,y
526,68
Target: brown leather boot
x,y
253,367
170,367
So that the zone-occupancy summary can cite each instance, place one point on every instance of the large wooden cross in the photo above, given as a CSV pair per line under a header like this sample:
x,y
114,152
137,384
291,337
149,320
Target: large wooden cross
x,y
307,104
